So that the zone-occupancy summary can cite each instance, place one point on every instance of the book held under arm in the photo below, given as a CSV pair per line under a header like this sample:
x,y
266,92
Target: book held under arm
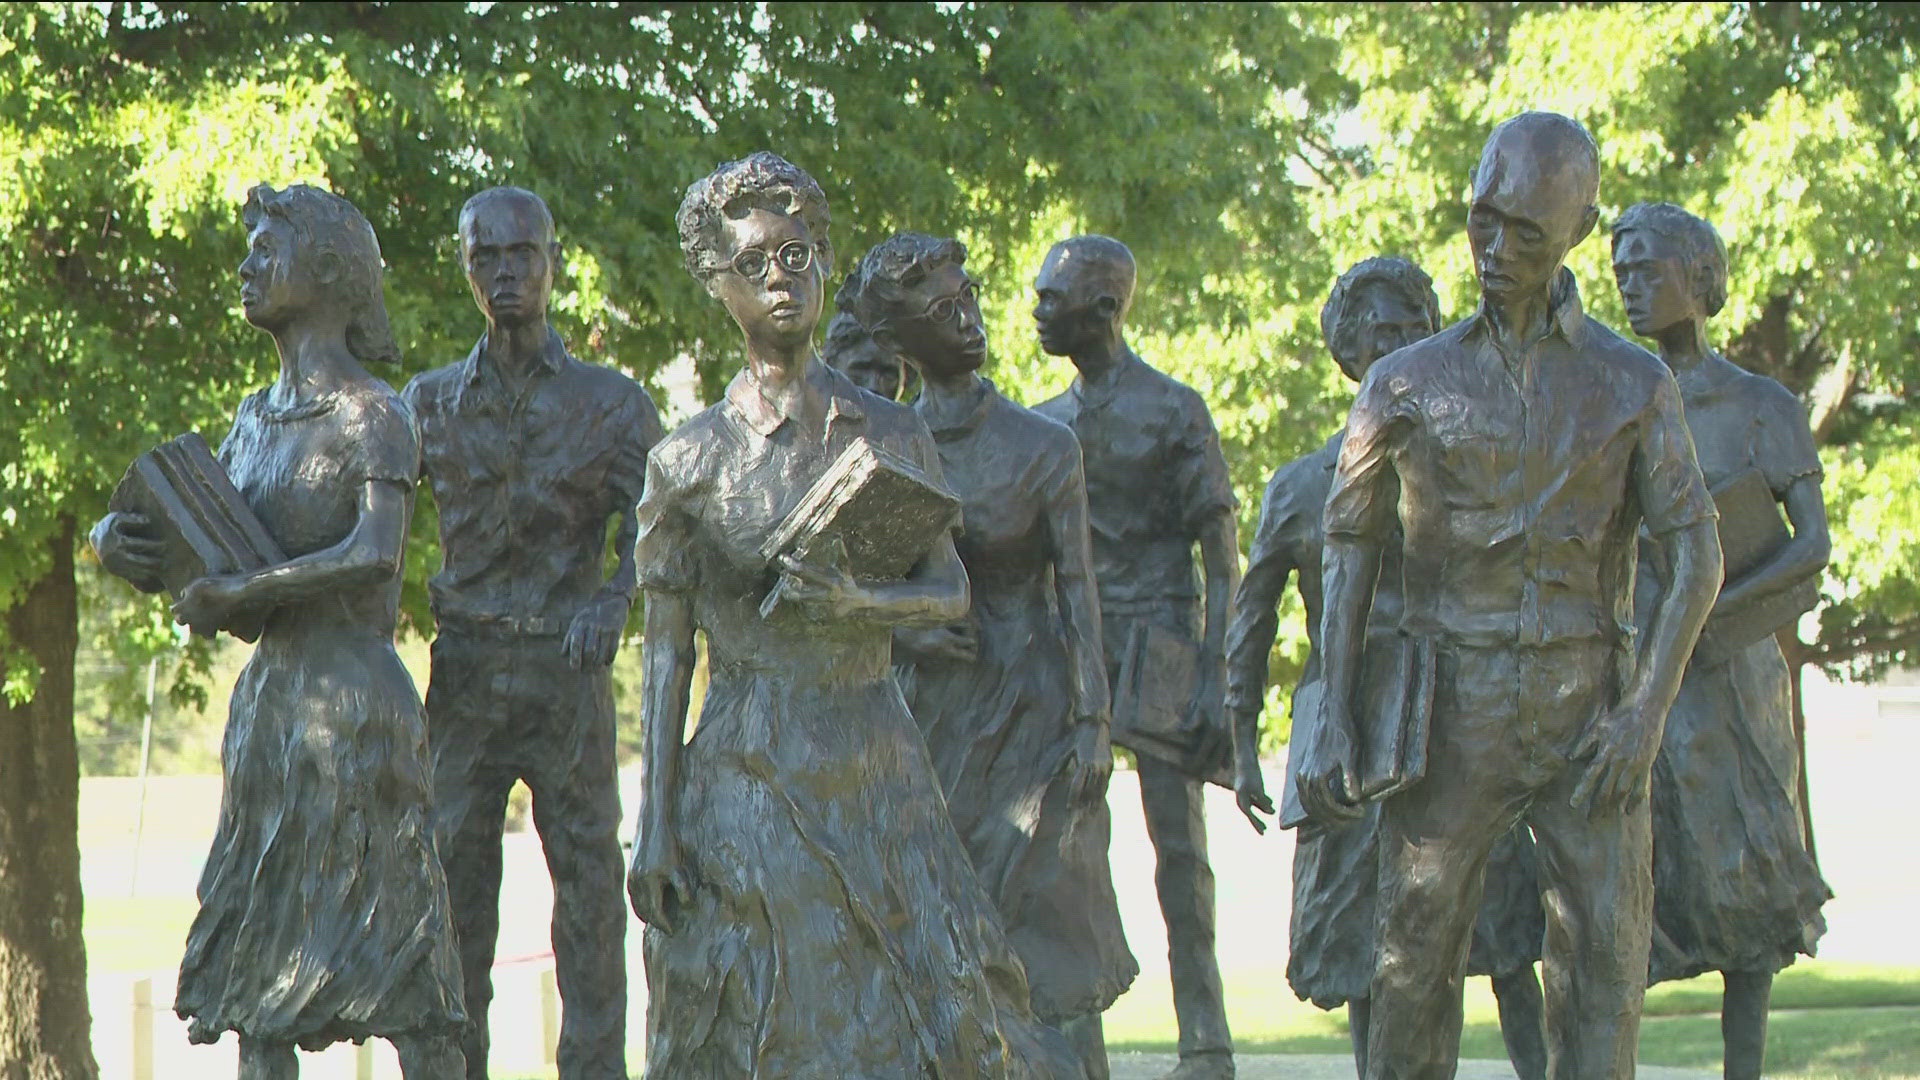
x,y
883,509
1393,712
204,521
1751,534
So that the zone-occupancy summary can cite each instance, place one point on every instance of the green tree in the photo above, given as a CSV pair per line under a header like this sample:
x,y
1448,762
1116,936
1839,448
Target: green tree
x,y
129,134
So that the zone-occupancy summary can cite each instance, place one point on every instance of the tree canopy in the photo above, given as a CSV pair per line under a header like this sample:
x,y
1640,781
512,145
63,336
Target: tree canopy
x,y
1247,154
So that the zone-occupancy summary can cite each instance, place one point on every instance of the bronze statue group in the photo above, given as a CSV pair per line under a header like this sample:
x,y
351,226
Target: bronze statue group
x,y
1535,724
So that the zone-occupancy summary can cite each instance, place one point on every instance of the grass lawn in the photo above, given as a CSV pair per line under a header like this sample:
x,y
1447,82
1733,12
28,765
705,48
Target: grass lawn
x,y
1830,1020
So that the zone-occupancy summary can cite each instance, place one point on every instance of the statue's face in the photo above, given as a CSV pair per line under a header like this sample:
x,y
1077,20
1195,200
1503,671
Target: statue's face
x,y
935,323
1067,312
1524,219
773,303
509,254
276,281
871,368
1386,319
1653,282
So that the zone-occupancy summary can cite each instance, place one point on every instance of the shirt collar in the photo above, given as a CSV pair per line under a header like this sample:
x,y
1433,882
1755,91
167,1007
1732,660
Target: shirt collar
x,y
752,407
1569,318
967,423
1105,391
553,356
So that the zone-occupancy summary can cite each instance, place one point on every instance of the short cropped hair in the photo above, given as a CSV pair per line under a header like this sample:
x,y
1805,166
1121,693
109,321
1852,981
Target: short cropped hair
x,y
759,181
1549,132
481,200
324,223
1337,324
1110,265
898,263
1701,250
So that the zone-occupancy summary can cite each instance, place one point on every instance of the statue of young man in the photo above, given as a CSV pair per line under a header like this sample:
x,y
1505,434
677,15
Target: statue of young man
x,y
1518,452
1734,889
1156,486
1380,305
530,453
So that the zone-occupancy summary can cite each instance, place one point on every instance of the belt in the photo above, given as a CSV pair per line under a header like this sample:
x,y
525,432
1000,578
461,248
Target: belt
x,y
503,625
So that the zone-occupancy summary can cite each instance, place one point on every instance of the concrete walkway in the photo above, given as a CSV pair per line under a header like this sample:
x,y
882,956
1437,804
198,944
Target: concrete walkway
x,y
1331,1067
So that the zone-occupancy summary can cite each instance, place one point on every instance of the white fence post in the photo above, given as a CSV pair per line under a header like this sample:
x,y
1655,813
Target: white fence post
x,y
142,1045
550,1017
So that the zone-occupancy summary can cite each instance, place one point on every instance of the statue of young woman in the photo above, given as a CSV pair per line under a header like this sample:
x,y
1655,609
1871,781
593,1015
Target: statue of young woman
x,y
810,911
1734,889
323,911
1013,701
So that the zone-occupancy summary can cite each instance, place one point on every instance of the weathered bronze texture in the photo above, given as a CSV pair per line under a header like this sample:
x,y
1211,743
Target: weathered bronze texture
x,y
1518,452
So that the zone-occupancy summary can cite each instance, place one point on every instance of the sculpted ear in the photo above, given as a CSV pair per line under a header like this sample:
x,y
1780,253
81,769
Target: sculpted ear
x,y
331,267
888,341
1107,306
1587,223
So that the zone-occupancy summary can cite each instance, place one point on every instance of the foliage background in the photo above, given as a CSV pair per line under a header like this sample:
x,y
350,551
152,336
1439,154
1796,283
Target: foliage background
x,y
1246,153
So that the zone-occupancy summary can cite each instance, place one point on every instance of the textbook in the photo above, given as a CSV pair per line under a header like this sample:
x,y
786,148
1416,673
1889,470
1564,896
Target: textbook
x,y
207,526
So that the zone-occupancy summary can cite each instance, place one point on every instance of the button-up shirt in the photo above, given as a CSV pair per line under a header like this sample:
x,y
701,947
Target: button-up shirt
x,y
1155,477
1520,479
525,482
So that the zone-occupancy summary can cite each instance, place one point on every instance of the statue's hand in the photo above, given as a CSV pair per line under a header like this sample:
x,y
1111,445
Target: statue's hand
x,y
1092,759
1250,791
1207,711
208,604
656,880
1619,749
594,635
129,548
823,588
1329,778
955,644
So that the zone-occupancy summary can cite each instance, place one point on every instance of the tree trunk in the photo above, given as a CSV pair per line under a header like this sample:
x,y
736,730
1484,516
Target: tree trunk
x,y
44,1020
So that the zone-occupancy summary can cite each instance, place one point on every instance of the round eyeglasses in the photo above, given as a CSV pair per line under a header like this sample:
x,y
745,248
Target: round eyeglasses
x,y
795,256
947,308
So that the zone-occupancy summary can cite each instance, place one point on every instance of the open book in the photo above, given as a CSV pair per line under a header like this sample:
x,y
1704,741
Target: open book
x,y
881,508
206,524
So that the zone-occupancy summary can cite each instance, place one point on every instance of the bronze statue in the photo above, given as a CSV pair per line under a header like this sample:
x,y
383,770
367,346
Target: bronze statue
x,y
810,911
1518,452
850,349
1734,889
1013,700
323,913
1379,305
1156,487
530,454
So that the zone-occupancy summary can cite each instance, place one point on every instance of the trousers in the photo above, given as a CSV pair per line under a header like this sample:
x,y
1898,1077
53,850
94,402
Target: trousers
x,y
501,709
1182,876
1505,722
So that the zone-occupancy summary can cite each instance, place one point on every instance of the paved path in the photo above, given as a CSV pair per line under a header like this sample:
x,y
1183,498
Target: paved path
x,y
1331,1067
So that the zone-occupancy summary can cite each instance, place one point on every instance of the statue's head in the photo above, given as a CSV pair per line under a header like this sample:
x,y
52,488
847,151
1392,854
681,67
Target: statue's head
x,y
1082,293
852,350
912,292
1381,304
510,253
1670,265
1534,196
754,232
311,255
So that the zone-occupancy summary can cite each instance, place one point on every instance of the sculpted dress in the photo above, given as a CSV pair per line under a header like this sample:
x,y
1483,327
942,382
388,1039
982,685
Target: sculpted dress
x,y
1734,888
1001,729
1330,958
835,928
323,911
